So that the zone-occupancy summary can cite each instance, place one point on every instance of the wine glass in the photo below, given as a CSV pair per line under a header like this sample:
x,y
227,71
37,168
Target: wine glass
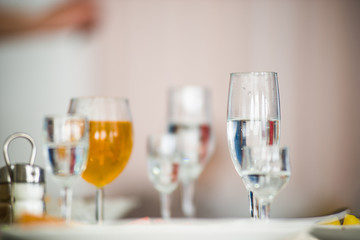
x,y
110,141
189,117
163,168
65,148
265,170
253,116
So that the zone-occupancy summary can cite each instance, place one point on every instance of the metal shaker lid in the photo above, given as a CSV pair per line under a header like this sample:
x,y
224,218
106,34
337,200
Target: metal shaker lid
x,y
23,172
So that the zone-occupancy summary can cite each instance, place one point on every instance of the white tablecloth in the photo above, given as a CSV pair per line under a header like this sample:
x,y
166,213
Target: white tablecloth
x,y
175,229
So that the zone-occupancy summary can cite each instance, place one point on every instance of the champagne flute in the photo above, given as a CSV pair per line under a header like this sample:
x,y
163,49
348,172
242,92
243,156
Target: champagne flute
x,y
189,117
163,168
65,148
253,116
110,141
265,170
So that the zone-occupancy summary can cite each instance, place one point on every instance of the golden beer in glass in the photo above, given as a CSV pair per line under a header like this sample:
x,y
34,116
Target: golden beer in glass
x,y
110,144
110,141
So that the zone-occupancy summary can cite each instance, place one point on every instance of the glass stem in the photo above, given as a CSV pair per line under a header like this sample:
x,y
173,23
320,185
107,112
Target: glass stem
x,y
264,210
254,206
99,215
188,205
66,203
165,205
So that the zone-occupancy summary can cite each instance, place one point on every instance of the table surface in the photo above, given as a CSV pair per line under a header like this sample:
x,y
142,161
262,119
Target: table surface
x,y
174,229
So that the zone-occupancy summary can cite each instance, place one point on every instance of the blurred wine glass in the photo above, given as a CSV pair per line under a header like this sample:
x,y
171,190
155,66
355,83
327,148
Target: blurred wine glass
x,y
163,168
265,170
253,117
110,141
189,117
65,148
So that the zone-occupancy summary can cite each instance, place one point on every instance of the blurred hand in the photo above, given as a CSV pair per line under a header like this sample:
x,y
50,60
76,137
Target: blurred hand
x,y
79,14
76,14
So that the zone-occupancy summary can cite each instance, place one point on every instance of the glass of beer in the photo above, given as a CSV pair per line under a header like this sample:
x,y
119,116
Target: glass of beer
x,y
110,141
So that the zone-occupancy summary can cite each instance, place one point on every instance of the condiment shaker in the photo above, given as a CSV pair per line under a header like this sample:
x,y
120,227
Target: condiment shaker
x,y
26,181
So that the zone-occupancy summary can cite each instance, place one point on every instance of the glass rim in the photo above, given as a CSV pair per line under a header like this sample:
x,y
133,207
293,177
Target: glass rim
x,y
65,116
246,148
99,98
265,73
160,135
187,86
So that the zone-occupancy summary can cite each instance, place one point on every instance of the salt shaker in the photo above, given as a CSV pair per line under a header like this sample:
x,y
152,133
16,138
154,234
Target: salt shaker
x,y
27,182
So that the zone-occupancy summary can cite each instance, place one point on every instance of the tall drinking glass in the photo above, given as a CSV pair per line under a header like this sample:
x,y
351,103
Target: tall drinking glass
x,y
163,168
253,117
110,141
65,148
189,117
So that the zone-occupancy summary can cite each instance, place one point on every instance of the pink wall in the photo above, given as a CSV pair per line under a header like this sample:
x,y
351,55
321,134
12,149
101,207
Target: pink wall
x,y
148,46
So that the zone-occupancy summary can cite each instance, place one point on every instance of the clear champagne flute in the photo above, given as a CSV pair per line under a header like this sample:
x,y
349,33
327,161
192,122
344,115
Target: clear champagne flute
x,y
110,141
265,170
163,168
253,116
189,117
65,148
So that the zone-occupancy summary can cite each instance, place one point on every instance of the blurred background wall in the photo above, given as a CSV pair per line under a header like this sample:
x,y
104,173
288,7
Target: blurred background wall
x,y
140,48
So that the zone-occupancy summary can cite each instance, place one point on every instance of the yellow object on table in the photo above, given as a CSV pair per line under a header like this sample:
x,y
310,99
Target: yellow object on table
x,y
348,220
26,219
351,220
332,221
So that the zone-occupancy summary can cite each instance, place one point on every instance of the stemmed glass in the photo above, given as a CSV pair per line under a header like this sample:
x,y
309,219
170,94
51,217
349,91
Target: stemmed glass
x,y
163,168
265,170
189,117
253,117
65,148
110,141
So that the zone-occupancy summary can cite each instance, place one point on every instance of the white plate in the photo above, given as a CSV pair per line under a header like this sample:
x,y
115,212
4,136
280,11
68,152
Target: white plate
x,y
175,229
331,232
